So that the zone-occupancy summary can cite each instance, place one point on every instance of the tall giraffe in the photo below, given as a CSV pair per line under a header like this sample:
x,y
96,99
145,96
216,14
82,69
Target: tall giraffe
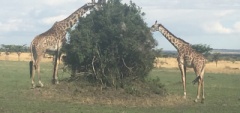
x,y
53,40
187,57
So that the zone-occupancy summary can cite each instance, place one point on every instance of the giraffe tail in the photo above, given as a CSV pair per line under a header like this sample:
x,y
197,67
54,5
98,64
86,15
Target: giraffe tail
x,y
31,68
196,80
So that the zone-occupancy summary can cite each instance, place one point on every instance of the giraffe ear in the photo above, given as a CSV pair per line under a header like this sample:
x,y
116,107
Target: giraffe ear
x,y
156,22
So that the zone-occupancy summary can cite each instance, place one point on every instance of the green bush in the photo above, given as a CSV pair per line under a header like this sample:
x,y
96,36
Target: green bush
x,y
114,44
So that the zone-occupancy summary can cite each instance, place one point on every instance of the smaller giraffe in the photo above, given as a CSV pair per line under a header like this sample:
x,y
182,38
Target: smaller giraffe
x,y
187,57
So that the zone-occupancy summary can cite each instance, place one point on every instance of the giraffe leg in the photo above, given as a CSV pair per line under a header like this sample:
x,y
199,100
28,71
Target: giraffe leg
x,y
199,71
183,73
199,89
202,85
203,97
32,76
39,76
55,70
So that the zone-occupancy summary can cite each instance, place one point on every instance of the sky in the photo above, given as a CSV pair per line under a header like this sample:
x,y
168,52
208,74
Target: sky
x,y
212,22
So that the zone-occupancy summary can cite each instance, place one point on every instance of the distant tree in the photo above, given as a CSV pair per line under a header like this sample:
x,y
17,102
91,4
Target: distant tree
x,y
7,55
14,48
233,60
158,52
114,44
216,57
19,49
19,54
2,48
202,48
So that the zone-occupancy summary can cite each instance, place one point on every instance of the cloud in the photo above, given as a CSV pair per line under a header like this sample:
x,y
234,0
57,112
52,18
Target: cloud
x,y
64,2
224,13
58,2
185,18
51,20
237,27
216,27
11,25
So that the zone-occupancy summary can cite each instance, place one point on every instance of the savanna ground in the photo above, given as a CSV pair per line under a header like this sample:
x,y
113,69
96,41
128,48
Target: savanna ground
x,y
222,91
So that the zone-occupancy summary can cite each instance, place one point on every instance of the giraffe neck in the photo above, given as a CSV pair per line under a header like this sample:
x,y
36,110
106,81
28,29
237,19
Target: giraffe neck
x,y
175,41
74,17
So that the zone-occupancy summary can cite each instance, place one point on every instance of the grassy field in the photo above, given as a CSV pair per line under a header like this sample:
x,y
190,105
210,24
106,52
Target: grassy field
x,y
16,96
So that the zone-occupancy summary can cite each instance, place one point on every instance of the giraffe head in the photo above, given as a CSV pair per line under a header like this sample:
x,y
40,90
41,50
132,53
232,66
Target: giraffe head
x,y
155,27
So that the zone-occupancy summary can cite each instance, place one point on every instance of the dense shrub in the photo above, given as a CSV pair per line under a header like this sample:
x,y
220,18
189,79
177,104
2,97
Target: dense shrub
x,y
114,45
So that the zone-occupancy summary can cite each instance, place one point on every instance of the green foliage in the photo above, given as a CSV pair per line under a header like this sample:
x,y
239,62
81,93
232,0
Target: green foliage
x,y
156,86
158,52
132,90
202,48
114,44
148,86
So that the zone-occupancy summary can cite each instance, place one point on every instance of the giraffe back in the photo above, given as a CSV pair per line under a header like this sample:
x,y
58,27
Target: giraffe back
x,y
191,57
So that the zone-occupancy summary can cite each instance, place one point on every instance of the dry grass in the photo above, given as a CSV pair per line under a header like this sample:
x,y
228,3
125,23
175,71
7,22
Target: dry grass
x,y
23,57
227,67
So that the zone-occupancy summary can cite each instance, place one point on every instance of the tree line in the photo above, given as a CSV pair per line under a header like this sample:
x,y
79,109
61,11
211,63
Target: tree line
x,y
14,48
